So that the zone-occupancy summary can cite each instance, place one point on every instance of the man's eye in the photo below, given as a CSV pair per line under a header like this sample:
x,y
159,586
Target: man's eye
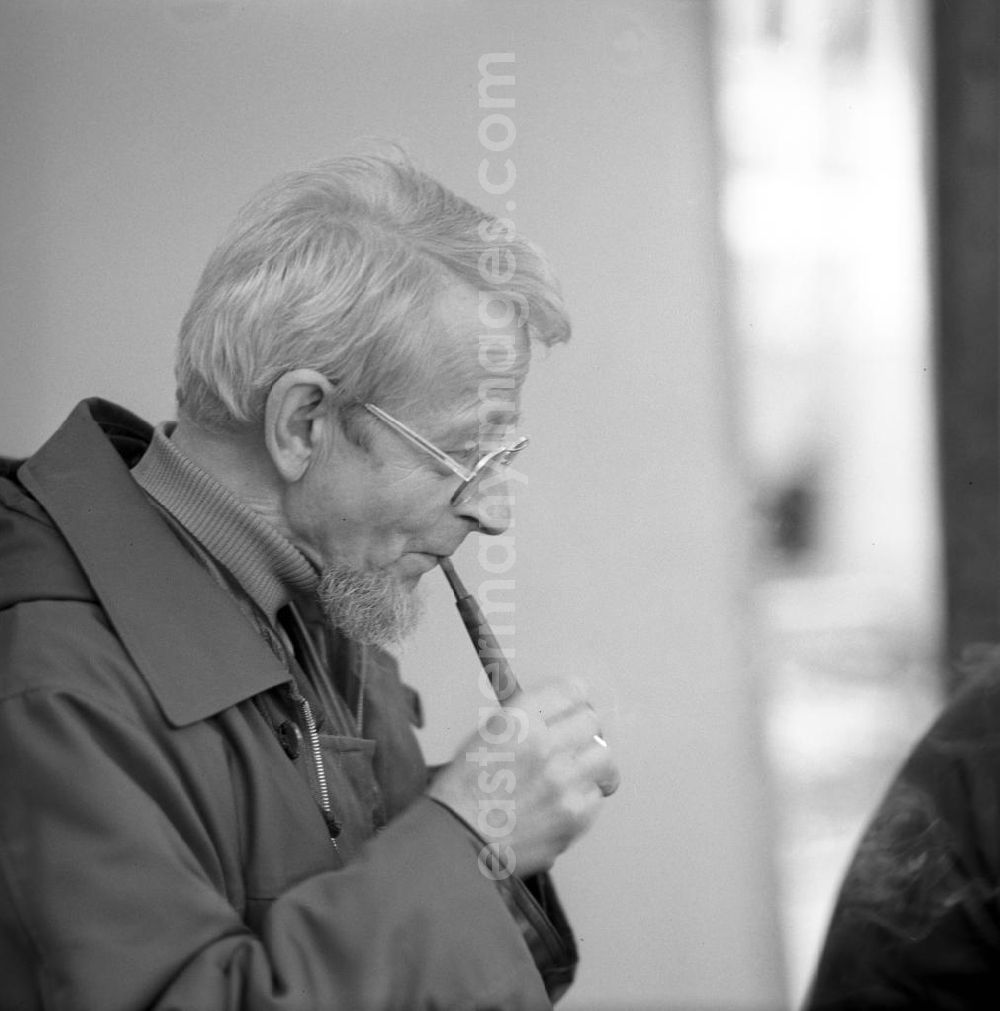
x,y
467,454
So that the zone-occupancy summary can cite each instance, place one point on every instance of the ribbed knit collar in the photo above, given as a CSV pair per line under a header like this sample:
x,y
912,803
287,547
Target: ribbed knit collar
x,y
264,562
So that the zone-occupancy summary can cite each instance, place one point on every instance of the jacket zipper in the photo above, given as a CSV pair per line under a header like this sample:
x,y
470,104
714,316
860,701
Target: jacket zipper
x,y
333,826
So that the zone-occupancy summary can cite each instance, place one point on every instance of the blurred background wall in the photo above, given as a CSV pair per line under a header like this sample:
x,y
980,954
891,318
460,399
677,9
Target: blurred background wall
x,y
730,528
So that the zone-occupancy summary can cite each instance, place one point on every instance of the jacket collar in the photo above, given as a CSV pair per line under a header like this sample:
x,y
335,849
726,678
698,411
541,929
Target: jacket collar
x,y
187,637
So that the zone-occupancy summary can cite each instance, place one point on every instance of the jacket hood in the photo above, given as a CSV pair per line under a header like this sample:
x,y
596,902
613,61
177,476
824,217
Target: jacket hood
x,y
36,563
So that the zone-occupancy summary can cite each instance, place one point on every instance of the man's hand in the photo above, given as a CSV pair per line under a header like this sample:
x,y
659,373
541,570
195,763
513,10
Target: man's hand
x,y
532,779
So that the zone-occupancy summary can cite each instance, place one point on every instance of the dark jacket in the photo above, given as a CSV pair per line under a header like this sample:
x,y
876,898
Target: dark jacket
x,y
158,848
917,921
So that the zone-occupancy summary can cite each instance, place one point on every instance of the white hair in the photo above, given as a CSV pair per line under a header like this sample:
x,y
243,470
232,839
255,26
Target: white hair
x,y
339,269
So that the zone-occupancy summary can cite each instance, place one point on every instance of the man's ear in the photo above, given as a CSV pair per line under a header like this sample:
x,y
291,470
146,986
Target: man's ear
x,y
297,419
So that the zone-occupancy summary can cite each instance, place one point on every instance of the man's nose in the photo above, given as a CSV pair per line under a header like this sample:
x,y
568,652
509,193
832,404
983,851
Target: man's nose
x,y
489,508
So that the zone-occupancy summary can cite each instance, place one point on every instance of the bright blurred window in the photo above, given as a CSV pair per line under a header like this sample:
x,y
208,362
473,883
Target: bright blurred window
x,y
822,110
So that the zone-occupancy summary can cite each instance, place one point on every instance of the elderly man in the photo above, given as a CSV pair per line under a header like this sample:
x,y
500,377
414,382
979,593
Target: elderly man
x,y
212,796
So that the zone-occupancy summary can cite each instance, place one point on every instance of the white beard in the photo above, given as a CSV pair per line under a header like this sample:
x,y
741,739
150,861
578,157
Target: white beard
x,y
368,607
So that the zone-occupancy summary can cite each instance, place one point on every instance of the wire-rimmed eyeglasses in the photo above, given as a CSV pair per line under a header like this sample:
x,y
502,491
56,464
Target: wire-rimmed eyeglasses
x,y
489,464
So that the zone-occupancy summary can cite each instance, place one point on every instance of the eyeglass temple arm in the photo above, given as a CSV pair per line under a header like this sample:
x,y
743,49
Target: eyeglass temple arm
x,y
490,654
419,440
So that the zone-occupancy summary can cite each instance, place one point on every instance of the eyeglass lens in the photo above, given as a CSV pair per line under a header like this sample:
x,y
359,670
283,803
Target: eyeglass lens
x,y
487,472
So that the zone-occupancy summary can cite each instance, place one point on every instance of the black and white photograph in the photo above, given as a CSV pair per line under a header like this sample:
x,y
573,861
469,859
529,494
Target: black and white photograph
x,y
499,505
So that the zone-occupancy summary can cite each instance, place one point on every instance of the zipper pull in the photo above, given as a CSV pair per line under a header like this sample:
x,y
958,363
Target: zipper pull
x,y
333,826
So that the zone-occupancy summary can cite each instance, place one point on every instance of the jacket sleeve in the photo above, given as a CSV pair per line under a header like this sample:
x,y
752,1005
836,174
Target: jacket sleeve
x,y
917,920
114,892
